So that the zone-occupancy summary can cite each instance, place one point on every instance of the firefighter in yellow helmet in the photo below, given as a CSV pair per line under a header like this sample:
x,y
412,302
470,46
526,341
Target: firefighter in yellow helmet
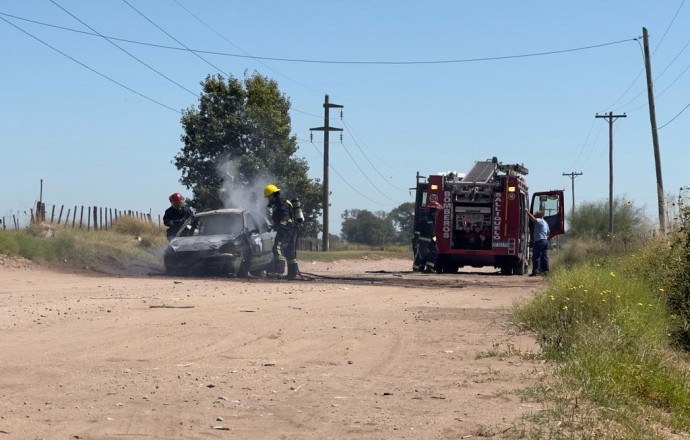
x,y
284,222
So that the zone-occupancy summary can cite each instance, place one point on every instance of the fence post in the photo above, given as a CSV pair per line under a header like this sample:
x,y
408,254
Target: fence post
x,y
60,215
52,214
88,218
95,218
74,216
81,216
69,210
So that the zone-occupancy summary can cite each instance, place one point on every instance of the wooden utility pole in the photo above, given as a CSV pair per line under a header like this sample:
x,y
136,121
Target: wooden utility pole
x,y
572,176
610,118
655,136
326,130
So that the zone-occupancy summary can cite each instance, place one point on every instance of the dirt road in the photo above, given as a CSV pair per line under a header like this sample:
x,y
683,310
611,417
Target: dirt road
x,y
364,350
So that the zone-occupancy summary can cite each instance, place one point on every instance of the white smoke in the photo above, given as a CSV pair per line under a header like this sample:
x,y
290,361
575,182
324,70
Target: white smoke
x,y
237,192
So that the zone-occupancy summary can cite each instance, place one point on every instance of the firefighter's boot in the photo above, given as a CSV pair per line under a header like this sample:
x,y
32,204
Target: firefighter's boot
x,y
293,270
279,267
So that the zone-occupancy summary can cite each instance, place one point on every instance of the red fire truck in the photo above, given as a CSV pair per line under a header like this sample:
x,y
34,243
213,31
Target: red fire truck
x,y
483,221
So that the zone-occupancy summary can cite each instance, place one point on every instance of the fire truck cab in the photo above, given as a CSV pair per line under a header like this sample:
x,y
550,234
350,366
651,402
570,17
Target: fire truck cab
x,y
483,220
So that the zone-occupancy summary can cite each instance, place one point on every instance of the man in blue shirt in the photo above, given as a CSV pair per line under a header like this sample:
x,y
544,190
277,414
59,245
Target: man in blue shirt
x,y
540,249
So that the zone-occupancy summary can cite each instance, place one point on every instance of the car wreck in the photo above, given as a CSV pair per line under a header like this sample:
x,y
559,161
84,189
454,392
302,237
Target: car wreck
x,y
223,242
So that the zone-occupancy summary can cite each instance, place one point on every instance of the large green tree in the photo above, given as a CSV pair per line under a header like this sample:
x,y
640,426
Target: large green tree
x,y
365,227
403,220
591,219
238,139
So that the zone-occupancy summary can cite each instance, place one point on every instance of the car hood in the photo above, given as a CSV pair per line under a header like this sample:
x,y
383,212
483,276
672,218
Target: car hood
x,y
207,242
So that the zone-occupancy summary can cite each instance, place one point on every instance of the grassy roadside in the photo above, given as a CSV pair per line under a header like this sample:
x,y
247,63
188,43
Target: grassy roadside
x,y
615,332
134,246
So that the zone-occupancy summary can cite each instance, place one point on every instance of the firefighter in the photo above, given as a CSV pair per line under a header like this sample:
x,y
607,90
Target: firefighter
x,y
176,215
424,240
285,223
540,248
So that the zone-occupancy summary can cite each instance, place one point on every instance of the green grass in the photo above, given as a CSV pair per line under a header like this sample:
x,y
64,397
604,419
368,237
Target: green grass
x,y
616,373
130,244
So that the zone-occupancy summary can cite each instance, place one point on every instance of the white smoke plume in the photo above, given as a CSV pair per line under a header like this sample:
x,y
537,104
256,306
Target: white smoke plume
x,y
236,192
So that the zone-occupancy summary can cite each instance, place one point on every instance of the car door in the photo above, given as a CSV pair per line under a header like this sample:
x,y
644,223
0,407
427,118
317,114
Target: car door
x,y
260,238
552,205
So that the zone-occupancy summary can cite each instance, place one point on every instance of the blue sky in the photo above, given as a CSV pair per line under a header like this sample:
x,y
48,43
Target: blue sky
x,y
426,86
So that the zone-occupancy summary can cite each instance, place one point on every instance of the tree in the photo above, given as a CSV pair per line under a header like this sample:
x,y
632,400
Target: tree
x,y
238,140
403,220
591,219
364,227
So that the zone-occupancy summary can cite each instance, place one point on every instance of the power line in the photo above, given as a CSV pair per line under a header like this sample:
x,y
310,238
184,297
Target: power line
x,y
244,51
673,119
89,68
176,40
367,158
365,174
347,182
668,28
125,51
320,61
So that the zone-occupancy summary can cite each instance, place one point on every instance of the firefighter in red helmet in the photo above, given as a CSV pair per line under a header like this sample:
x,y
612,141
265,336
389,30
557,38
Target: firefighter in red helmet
x,y
176,215
424,240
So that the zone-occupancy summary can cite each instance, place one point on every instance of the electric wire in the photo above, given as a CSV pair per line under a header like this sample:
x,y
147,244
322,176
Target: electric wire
x,y
243,51
584,144
367,158
668,28
124,50
176,40
320,61
674,118
89,68
347,182
365,174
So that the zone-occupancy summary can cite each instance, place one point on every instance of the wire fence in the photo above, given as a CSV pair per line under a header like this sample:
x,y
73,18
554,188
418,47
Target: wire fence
x,y
81,217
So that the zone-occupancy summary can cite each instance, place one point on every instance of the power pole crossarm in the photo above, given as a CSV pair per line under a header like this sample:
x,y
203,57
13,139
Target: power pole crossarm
x,y
326,130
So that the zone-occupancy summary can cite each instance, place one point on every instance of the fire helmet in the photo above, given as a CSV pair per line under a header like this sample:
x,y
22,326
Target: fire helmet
x,y
433,205
270,190
176,198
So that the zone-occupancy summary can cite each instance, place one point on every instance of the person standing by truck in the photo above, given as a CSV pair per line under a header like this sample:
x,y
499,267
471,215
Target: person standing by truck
x,y
540,248
176,215
424,241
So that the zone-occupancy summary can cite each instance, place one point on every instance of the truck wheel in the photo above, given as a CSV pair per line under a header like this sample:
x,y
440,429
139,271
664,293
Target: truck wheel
x,y
506,270
520,268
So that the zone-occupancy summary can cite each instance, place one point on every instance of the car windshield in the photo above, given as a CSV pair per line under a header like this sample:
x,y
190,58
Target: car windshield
x,y
229,223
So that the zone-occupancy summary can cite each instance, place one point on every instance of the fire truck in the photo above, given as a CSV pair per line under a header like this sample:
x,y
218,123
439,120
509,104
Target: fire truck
x,y
483,221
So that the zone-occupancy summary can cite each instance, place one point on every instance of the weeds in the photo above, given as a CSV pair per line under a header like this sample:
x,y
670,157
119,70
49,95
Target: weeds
x,y
611,329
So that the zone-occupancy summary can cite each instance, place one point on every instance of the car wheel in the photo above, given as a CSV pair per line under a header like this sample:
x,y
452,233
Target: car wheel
x,y
243,270
258,273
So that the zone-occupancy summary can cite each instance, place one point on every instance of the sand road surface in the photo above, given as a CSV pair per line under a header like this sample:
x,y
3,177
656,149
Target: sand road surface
x,y
363,349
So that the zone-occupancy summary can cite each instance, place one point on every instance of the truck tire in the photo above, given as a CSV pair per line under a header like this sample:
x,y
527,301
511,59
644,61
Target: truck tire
x,y
520,267
506,270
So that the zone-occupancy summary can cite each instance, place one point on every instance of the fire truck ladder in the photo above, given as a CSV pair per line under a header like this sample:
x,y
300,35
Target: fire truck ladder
x,y
481,172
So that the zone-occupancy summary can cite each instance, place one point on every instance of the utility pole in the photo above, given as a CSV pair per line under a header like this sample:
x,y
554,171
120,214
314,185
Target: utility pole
x,y
326,130
611,118
655,135
572,176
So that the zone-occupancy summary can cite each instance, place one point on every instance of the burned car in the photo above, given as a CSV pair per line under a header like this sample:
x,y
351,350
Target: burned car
x,y
224,242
